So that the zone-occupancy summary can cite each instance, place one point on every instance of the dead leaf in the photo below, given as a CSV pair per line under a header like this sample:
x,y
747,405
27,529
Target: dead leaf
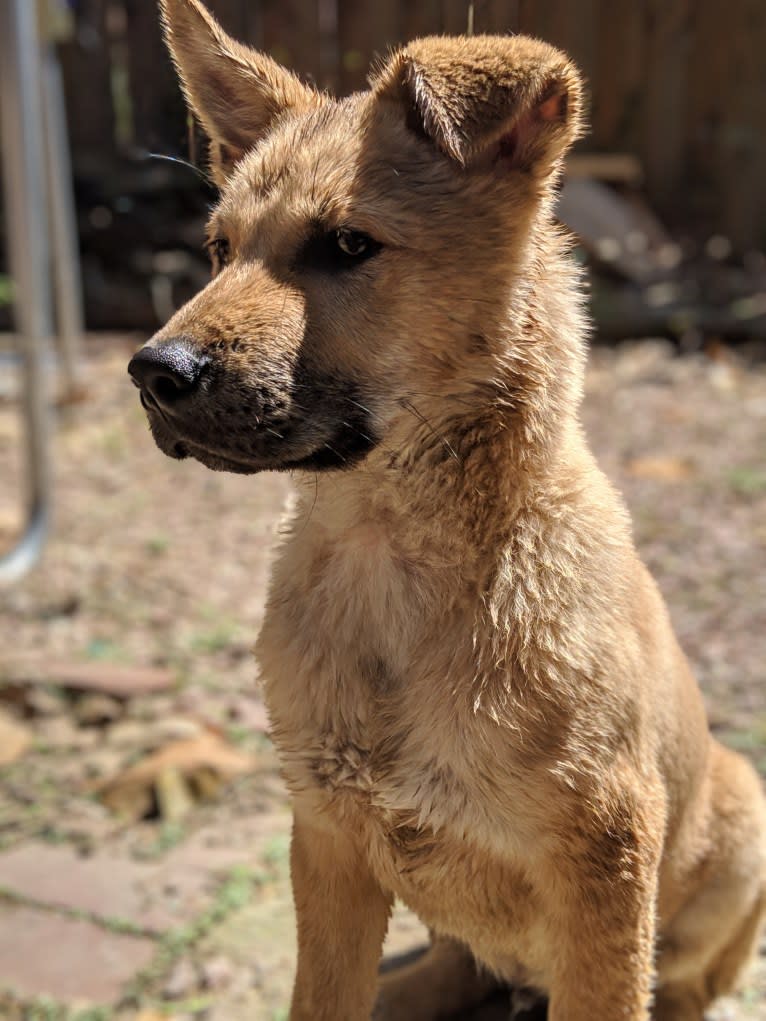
x,y
202,763
174,799
14,739
661,468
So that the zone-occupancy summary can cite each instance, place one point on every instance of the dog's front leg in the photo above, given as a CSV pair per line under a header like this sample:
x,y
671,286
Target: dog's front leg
x,y
342,916
603,963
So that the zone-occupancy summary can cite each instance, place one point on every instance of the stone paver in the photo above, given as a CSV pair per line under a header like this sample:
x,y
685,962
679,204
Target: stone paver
x,y
151,896
106,887
45,954
155,896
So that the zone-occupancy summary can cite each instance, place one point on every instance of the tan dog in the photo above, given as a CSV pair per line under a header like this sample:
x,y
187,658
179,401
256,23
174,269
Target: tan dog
x,y
476,694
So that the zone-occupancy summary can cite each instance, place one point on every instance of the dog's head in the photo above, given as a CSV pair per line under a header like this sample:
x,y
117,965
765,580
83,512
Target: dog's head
x,y
367,252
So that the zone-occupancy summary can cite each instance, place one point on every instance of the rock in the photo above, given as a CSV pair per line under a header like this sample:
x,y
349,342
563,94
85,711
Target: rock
x,y
95,709
154,707
15,738
183,979
217,973
149,734
40,702
60,732
103,762
175,728
128,733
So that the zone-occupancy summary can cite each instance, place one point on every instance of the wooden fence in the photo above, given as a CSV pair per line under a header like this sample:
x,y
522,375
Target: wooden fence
x,y
681,84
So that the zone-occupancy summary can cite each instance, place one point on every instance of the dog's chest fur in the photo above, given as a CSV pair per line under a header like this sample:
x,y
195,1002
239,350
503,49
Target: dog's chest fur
x,y
377,736
337,651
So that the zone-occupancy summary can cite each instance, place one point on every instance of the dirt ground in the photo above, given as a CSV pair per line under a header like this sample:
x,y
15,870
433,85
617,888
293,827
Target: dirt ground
x,y
158,565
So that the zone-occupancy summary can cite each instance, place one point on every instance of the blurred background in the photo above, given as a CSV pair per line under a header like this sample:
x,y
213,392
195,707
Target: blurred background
x,y
143,825
678,112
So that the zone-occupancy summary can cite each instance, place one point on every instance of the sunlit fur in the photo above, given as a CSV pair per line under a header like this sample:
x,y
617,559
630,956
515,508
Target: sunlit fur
x,y
476,694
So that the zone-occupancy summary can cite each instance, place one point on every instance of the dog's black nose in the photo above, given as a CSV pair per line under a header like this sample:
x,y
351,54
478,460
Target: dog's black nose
x,y
167,372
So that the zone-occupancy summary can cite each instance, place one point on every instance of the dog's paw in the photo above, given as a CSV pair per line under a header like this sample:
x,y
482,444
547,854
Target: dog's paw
x,y
397,1001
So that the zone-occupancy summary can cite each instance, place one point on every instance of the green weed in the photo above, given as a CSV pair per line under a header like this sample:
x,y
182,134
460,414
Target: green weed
x,y
747,480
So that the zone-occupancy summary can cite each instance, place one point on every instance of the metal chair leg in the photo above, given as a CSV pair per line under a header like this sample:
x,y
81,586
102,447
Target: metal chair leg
x,y
25,204
64,249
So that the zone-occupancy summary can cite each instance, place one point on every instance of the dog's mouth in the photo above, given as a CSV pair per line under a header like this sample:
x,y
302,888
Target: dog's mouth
x,y
220,442
212,459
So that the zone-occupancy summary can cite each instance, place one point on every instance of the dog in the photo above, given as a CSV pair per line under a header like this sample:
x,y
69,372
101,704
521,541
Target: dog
x,y
476,694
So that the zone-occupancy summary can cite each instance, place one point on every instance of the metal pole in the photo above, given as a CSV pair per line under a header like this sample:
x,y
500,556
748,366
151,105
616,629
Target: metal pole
x,y
25,207
65,251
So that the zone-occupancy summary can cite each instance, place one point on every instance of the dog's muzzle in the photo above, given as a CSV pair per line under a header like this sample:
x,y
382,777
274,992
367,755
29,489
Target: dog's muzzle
x,y
198,409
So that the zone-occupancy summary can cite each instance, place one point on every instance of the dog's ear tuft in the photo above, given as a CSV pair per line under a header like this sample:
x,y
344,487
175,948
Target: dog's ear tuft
x,y
485,100
236,92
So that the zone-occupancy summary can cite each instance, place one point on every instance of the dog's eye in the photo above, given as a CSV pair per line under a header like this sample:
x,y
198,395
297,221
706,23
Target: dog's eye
x,y
218,250
336,251
352,242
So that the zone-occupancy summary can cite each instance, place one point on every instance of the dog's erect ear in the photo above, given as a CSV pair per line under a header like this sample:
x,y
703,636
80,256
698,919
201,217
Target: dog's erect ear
x,y
235,91
488,99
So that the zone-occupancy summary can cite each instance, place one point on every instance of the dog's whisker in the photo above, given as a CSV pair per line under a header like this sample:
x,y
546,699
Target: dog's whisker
x,y
409,406
357,404
357,430
335,452
177,159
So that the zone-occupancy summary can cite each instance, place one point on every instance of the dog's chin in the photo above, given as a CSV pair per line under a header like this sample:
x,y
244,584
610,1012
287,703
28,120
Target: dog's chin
x,y
214,461
181,448
340,455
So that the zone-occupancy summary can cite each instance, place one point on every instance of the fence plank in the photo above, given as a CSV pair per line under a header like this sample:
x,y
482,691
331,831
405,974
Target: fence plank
x,y
366,29
86,68
417,19
724,139
619,76
291,31
499,16
454,16
743,170
666,58
157,106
